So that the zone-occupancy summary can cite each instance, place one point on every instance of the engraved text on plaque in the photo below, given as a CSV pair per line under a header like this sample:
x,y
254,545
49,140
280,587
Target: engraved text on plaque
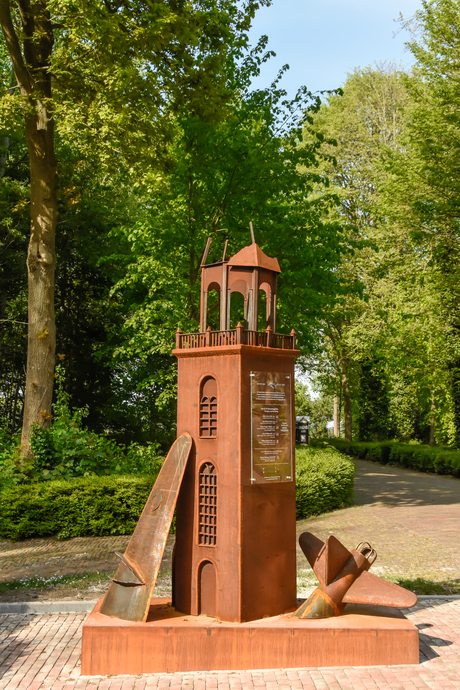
x,y
271,426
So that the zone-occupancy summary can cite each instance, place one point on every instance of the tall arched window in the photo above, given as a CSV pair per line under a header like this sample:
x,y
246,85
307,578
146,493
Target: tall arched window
x,y
262,308
208,408
207,528
237,310
213,306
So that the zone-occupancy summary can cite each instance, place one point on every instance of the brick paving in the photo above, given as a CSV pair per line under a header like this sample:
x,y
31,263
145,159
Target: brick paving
x,y
43,653
411,519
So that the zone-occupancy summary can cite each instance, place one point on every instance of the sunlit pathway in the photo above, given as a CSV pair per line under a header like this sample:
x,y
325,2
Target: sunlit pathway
x,y
412,520
40,652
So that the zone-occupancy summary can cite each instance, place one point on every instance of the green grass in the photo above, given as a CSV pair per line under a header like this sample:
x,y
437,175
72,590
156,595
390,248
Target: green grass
x,y
423,587
77,581
305,578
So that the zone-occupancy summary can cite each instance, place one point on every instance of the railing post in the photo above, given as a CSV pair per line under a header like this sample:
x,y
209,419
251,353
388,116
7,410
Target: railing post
x,y
268,331
293,335
208,336
178,333
239,333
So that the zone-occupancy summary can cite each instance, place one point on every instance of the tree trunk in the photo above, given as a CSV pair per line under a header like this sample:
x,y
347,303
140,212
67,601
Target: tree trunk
x,y
30,47
41,261
432,420
336,416
346,402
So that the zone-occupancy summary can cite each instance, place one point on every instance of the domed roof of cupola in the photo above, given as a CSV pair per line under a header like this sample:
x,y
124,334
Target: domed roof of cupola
x,y
253,256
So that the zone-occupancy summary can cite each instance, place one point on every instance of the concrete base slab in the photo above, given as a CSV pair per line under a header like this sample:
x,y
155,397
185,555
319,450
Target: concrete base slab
x,y
170,641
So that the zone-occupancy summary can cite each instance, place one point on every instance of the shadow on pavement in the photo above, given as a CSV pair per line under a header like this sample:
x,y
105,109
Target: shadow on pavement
x,y
10,648
376,483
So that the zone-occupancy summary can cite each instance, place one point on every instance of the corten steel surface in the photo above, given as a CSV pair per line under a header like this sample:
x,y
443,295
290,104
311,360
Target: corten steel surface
x,y
170,642
128,596
344,579
236,336
248,272
235,541
254,558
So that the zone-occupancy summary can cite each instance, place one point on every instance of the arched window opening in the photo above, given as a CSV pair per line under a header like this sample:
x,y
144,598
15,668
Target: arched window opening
x,y
213,307
237,312
262,311
208,408
207,524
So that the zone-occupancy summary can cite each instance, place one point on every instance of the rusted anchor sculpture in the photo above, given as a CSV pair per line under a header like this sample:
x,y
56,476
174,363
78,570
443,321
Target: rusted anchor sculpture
x,y
344,579
129,594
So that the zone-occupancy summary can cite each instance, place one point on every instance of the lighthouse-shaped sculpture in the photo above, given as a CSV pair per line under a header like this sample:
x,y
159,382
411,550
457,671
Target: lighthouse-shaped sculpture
x,y
232,471
235,554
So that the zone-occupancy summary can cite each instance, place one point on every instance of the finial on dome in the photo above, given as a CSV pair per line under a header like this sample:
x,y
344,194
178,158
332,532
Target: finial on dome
x,y
252,232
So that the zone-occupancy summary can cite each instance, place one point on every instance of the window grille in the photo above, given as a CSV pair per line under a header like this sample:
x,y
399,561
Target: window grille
x,y
207,532
208,409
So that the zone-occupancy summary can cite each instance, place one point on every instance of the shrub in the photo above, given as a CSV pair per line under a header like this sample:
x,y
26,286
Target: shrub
x,y
90,506
101,506
140,460
411,456
68,450
324,480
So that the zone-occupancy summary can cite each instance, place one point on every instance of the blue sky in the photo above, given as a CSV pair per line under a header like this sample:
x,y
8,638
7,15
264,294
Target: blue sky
x,y
322,40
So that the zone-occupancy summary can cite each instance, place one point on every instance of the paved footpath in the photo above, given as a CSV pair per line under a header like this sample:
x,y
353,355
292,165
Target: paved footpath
x,y
413,520
43,652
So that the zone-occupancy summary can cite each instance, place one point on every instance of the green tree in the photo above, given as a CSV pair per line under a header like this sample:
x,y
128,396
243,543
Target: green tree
x,y
358,126
108,74
425,181
14,194
318,408
249,166
386,338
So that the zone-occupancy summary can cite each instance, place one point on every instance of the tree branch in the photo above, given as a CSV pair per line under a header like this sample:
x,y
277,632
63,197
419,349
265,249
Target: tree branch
x,y
14,49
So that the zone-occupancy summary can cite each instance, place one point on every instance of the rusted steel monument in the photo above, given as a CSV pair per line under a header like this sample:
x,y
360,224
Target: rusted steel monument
x,y
236,509
230,478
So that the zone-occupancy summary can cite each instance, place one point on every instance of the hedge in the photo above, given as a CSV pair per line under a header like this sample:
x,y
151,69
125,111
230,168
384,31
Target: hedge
x,y
86,506
324,480
411,456
101,506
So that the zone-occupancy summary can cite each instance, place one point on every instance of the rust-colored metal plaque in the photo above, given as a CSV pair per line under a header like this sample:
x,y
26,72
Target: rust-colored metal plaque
x,y
129,594
271,427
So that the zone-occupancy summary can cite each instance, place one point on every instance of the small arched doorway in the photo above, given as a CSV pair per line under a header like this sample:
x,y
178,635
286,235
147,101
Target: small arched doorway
x,y
207,589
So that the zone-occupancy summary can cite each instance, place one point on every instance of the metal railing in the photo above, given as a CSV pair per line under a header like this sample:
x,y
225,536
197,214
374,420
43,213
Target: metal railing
x,y
237,336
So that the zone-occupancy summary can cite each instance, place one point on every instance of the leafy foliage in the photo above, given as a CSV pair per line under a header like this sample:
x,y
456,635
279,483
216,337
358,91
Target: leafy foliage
x,y
388,340
318,409
251,165
412,456
67,449
90,506
324,480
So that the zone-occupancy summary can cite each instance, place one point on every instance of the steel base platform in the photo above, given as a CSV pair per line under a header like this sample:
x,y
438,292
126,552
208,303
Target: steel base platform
x,y
170,641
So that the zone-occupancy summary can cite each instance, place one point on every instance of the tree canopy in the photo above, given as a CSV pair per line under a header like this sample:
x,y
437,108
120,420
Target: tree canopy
x,y
130,132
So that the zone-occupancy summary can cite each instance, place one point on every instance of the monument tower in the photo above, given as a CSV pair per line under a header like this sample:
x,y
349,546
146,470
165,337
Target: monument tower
x,y
230,477
235,554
